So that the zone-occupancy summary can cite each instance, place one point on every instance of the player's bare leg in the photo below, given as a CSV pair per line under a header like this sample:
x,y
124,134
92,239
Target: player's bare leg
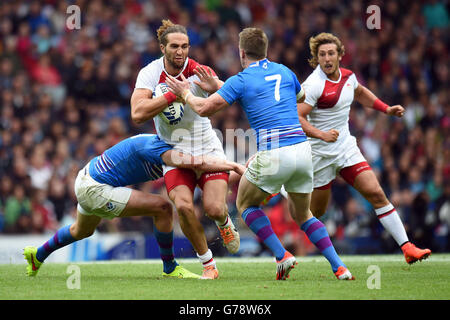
x,y
214,199
367,184
317,233
249,195
84,226
145,204
300,202
182,197
248,200
319,201
234,178
214,203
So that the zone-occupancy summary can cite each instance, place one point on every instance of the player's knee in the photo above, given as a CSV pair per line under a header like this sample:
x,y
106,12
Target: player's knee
x,y
376,197
241,205
215,210
185,208
165,208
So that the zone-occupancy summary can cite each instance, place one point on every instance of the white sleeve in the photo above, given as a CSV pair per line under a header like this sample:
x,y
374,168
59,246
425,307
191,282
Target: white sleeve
x,y
312,92
352,79
145,80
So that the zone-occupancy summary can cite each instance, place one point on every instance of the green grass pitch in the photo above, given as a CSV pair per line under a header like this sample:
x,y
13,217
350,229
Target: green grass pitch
x,y
240,279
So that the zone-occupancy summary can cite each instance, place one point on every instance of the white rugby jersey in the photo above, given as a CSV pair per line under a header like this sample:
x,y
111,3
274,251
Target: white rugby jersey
x,y
331,102
193,132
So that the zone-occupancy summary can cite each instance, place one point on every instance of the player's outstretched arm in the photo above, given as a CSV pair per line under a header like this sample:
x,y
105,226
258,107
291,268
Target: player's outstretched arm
x,y
366,98
144,107
303,110
203,163
205,107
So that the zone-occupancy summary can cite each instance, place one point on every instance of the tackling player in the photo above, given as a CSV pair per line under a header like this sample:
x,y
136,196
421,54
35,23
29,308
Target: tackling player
x,y
192,135
101,193
330,90
269,92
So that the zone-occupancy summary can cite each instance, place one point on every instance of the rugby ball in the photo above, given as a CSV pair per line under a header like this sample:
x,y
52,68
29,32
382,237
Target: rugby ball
x,y
174,111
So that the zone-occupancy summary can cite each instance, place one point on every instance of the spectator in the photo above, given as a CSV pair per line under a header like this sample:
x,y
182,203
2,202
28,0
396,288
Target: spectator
x,y
40,170
43,219
18,211
436,14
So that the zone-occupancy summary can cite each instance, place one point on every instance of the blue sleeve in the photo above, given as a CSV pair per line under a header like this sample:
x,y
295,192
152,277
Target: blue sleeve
x,y
155,149
232,89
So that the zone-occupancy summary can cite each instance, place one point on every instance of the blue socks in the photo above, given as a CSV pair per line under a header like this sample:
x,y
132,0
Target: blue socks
x,y
318,234
165,244
259,223
61,238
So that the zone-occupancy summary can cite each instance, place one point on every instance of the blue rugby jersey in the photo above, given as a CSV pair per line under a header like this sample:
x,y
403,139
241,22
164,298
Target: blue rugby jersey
x,y
267,91
133,160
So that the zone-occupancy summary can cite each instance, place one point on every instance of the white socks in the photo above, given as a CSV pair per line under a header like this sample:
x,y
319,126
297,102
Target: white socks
x,y
207,259
391,221
388,217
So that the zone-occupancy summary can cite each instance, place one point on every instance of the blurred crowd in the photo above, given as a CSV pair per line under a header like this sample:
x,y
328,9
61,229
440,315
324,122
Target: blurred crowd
x,y
65,91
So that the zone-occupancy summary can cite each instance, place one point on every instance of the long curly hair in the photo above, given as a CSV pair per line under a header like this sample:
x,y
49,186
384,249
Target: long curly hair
x,y
167,27
320,39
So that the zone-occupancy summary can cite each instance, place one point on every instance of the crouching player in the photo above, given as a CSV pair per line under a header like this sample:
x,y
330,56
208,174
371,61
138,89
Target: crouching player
x,y
101,191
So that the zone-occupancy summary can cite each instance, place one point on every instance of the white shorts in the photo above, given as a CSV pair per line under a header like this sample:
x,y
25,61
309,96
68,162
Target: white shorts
x,y
99,199
213,148
289,166
326,168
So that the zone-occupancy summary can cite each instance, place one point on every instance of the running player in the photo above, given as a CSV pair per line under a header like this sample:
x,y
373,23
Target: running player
x,y
330,90
101,193
192,135
269,92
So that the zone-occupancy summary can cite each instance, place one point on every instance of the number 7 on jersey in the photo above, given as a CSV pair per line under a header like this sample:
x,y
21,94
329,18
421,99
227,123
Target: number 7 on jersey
x,y
277,78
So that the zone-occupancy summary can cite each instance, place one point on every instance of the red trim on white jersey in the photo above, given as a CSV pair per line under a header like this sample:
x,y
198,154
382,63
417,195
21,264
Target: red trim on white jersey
x,y
188,70
332,90
197,133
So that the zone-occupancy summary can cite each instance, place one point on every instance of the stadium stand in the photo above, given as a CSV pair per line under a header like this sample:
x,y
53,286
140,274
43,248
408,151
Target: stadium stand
x,y
65,98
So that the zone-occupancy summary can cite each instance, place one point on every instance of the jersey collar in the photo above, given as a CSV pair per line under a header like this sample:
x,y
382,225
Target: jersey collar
x,y
323,75
258,63
182,70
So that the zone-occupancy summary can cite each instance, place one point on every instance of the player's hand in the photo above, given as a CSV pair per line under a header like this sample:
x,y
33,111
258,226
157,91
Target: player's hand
x,y
207,80
330,135
250,160
177,86
396,110
239,169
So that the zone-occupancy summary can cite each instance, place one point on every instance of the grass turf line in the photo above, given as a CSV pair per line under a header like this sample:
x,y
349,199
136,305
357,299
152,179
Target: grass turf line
x,y
240,279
